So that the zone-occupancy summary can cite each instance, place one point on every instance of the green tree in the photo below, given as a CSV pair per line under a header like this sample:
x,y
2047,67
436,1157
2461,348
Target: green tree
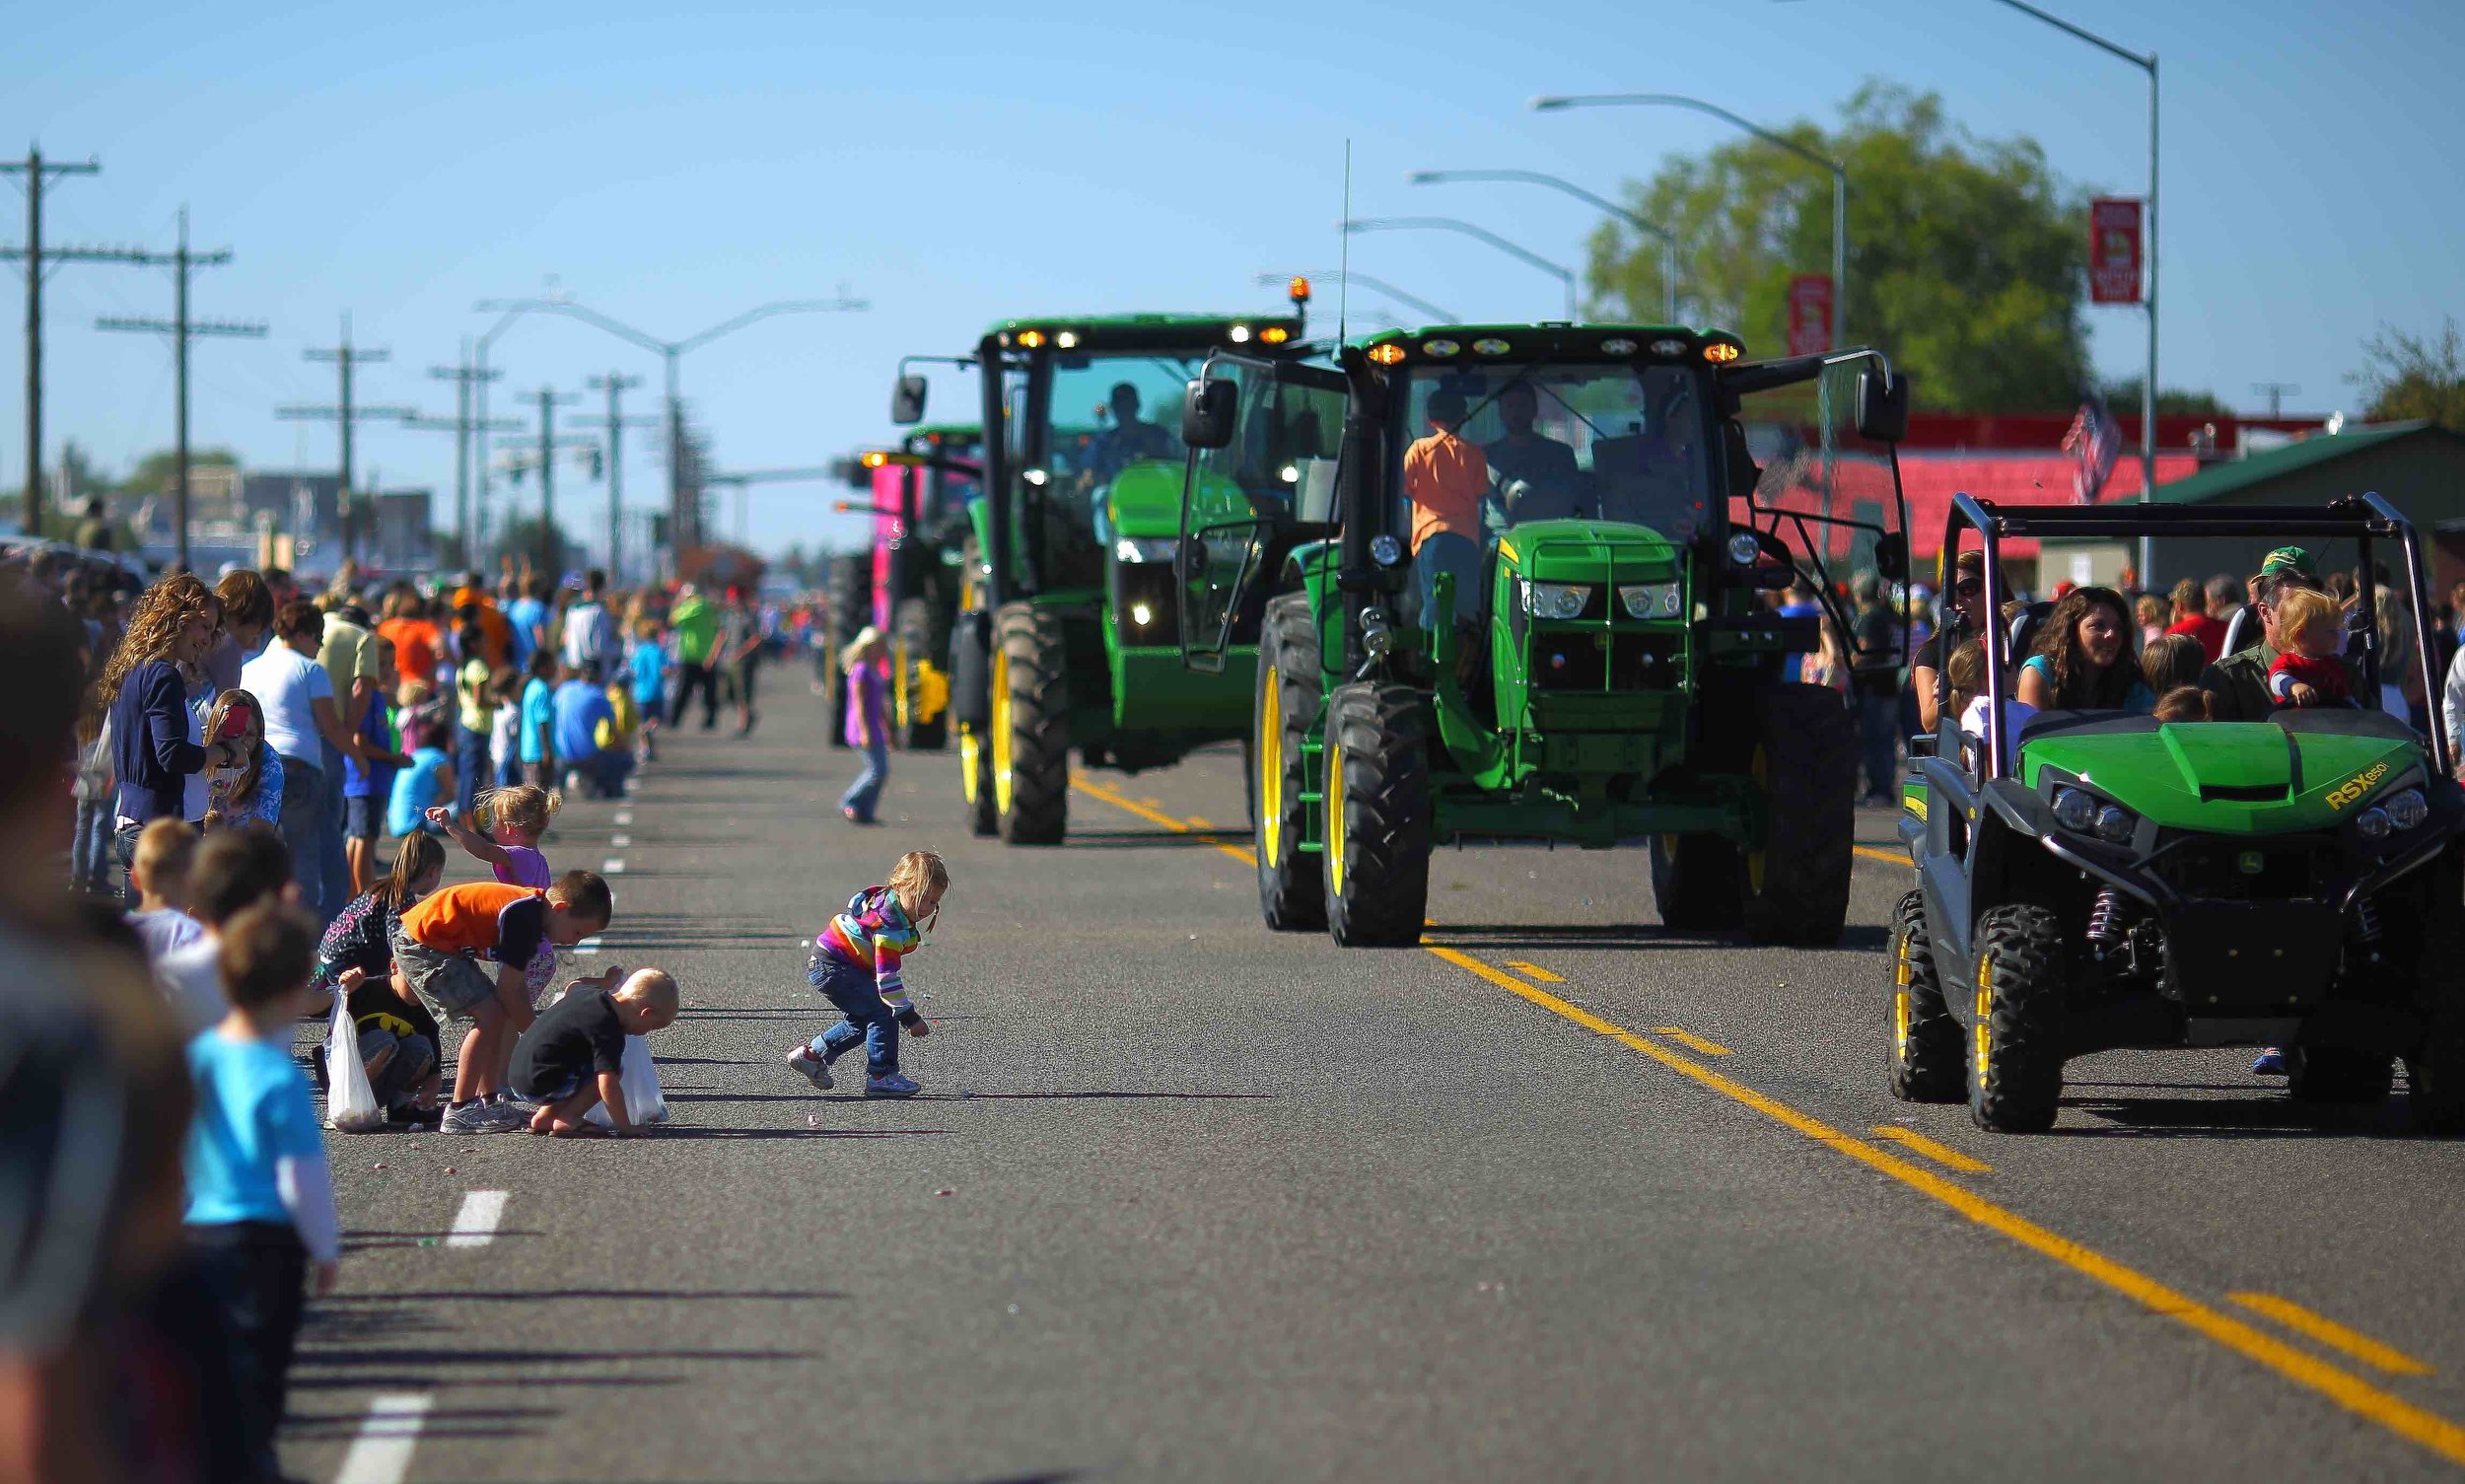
x,y
2415,377
153,474
2123,398
518,538
1967,258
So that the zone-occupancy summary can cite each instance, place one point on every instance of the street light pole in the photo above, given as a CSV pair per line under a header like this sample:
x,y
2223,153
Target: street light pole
x,y
2148,390
1562,273
1668,242
1437,314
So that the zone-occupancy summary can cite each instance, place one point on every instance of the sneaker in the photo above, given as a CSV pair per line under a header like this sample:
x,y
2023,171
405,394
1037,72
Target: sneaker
x,y
815,1070
892,1085
2271,1062
508,1118
507,1097
474,1118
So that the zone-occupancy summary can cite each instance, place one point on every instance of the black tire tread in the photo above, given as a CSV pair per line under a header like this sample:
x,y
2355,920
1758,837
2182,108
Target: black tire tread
x,y
1292,896
1697,884
1926,1066
2023,963
915,635
1810,757
1033,650
1385,897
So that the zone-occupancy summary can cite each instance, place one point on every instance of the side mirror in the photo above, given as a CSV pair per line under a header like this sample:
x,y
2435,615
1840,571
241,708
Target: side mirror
x,y
907,400
1207,409
1892,557
1883,408
1743,476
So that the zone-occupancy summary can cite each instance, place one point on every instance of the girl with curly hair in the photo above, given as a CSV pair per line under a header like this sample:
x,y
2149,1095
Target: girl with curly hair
x,y
157,741
2085,660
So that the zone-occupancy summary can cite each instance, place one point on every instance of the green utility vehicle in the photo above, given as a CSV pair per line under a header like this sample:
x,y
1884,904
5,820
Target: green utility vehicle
x,y
2101,880
1517,607
1070,642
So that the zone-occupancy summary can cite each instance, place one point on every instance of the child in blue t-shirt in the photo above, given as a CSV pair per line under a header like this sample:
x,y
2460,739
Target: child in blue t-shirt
x,y
538,719
425,783
260,1212
648,665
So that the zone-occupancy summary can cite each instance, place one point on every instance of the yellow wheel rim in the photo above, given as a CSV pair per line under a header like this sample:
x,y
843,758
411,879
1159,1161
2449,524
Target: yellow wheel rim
x,y
1901,974
1335,817
1001,733
1984,1016
971,757
898,686
1270,752
1762,771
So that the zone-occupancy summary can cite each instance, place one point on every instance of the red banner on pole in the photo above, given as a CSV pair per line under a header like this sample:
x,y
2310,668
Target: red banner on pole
x,y
1810,314
2114,250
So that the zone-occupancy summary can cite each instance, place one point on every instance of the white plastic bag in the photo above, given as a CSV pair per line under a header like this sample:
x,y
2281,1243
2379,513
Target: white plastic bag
x,y
350,1102
644,1102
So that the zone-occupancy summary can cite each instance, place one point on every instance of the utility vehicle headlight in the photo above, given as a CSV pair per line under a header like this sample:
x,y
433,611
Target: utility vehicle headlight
x,y
2115,825
1560,600
2373,823
2076,809
1385,550
1651,600
1744,550
1146,548
2407,808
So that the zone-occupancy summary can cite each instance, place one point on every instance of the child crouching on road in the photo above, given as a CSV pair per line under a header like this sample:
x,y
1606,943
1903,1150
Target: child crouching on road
x,y
856,966
573,1056
438,947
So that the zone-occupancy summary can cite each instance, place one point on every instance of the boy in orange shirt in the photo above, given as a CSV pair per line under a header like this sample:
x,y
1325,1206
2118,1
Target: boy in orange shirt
x,y
438,947
1446,476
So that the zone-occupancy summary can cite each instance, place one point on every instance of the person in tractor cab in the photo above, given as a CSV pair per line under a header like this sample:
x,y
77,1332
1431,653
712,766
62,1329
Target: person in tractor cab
x,y
1524,453
1127,439
2237,685
1445,476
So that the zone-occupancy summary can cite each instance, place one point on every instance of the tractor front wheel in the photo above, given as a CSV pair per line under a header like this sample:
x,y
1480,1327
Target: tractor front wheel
x,y
2338,1075
1696,882
1925,1038
1291,880
1377,816
914,650
1805,765
2015,1058
1031,730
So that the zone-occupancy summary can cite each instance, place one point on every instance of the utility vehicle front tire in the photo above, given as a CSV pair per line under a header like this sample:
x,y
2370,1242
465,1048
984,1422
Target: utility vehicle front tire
x,y
2435,1075
1805,763
1697,882
1377,816
1031,730
1924,1064
2015,1044
1291,882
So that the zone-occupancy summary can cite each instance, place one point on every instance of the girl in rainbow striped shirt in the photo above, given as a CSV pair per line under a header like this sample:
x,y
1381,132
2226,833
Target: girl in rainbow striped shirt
x,y
856,966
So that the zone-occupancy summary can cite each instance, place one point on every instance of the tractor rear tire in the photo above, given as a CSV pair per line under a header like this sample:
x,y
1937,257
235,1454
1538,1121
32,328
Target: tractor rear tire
x,y
1291,882
1031,730
848,607
1924,1064
914,647
2338,1075
1377,863
1805,759
1697,882
2015,1058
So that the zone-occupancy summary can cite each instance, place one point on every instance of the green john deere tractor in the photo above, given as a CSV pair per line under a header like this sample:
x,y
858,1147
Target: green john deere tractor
x,y
2092,880
1529,601
1070,642
917,576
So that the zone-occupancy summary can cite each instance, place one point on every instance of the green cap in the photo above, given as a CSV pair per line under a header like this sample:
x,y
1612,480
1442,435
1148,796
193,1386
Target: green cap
x,y
2288,560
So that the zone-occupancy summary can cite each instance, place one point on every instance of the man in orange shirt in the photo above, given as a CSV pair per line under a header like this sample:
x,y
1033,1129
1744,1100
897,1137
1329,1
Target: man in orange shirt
x,y
416,642
1445,476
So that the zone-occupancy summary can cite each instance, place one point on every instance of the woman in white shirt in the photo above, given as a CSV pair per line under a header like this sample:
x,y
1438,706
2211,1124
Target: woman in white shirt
x,y
296,697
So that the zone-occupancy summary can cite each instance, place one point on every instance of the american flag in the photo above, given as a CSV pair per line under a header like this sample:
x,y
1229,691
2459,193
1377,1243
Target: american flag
x,y
2096,440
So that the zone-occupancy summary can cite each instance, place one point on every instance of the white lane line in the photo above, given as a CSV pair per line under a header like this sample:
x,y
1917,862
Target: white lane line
x,y
612,866
619,842
474,1225
381,1452
624,816
586,946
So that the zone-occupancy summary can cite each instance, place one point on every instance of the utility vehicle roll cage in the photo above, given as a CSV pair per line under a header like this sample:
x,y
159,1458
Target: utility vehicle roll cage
x,y
2362,519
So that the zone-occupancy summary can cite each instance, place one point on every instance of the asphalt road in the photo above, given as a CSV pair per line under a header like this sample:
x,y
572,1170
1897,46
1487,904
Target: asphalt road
x,y
1558,1194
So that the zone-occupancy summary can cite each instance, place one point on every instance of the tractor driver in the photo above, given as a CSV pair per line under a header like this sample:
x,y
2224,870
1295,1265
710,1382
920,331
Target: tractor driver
x,y
1127,439
1541,463
1446,478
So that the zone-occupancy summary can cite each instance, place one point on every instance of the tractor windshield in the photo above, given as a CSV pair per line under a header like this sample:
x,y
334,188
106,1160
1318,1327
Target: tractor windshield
x,y
1102,415
1502,445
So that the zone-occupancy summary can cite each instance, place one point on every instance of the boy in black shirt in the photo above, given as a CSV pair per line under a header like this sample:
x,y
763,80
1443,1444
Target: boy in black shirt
x,y
572,1055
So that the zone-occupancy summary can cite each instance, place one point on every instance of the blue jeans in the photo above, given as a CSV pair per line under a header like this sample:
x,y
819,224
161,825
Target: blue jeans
x,y
1448,551
90,853
305,824
606,772
865,790
334,889
471,767
850,989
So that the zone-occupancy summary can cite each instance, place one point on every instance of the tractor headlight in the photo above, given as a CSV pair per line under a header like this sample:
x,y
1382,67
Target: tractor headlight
x,y
1557,600
2115,825
2407,808
2373,823
1146,548
2075,809
1385,550
1651,600
1744,550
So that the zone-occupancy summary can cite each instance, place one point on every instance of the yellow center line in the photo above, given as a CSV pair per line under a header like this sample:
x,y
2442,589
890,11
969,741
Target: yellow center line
x,y
1887,857
1536,971
1690,1040
1152,817
2414,1424
2329,1332
1941,1154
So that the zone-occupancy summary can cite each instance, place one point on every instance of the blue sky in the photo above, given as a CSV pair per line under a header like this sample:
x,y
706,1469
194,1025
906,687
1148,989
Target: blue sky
x,y
954,165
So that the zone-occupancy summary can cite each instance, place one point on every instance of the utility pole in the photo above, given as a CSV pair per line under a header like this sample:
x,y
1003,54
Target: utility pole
x,y
181,328
38,171
2275,393
615,422
547,398
344,357
465,373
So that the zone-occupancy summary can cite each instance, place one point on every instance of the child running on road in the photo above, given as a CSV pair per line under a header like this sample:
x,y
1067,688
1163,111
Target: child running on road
x,y
856,966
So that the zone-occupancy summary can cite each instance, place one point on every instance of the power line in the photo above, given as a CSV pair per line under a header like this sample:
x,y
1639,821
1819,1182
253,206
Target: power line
x,y
465,375
180,327
614,383
346,357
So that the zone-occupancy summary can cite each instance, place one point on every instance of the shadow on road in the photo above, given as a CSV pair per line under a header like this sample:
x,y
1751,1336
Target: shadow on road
x,y
2264,1115
1122,839
614,1295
